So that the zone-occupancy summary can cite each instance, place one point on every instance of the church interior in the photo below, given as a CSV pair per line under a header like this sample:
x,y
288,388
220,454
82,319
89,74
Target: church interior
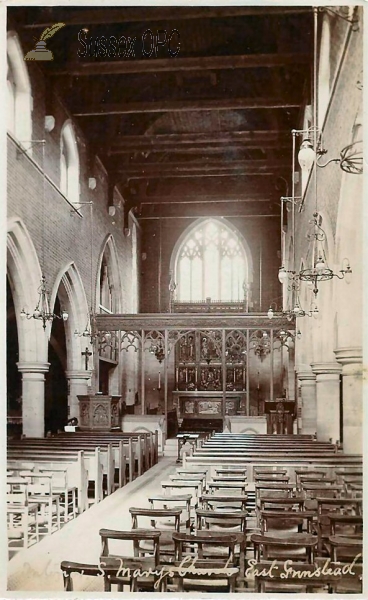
x,y
184,298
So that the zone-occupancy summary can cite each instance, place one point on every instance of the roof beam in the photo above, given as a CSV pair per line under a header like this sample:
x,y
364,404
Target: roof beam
x,y
225,199
123,108
89,16
196,149
250,138
257,166
161,65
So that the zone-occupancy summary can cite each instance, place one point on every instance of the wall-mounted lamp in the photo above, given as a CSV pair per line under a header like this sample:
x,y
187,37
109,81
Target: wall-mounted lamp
x,y
350,159
49,123
112,211
92,183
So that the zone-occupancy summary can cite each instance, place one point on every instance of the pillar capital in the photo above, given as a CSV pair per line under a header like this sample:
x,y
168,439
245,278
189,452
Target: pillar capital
x,y
33,367
349,356
78,374
326,368
305,375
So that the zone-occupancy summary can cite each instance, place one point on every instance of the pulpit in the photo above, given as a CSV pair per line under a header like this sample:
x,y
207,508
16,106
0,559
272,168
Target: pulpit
x,y
98,412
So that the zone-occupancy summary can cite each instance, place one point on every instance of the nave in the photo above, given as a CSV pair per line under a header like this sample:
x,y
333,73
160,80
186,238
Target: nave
x,y
260,497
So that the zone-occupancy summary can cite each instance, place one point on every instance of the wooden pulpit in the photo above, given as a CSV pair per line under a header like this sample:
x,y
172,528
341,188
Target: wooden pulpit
x,y
98,412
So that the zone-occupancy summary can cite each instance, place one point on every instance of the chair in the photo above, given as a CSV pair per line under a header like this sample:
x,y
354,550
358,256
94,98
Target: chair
x,y
224,503
127,568
296,547
241,471
200,479
230,487
226,522
268,471
277,576
271,502
182,502
22,518
196,568
346,549
286,520
150,518
68,568
40,493
66,492
195,486
270,477
327,507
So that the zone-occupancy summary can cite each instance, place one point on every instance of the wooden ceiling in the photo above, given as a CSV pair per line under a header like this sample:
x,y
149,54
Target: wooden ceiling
x,y
206,132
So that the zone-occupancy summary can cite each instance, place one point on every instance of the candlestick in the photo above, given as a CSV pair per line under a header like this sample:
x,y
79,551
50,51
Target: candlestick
x,y
159,380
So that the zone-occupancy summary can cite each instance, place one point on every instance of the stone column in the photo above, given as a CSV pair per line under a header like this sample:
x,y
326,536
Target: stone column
x,y
33,397
352,395
328,400
307,380
77,385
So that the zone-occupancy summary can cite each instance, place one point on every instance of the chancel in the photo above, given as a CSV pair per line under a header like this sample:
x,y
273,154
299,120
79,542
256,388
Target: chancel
x,y
185,298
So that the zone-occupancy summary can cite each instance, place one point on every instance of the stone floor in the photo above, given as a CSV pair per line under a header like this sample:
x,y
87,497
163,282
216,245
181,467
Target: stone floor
x,y
37,569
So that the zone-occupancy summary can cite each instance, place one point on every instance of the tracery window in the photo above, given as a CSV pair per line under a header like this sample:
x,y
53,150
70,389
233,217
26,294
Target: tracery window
x,y
211,263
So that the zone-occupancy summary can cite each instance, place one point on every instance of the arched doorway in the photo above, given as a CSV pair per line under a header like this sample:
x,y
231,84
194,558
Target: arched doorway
x,y
56,383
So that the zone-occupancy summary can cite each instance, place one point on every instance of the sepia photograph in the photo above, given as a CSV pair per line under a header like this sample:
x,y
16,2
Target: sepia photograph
x,y
183,335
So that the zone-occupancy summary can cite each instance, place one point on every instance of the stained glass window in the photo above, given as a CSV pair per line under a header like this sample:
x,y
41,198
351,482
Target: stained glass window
x,y
211,263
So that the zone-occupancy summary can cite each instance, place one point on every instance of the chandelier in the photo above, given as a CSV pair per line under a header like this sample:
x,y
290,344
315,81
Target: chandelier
x,y
318,269
42,312
260,343
158,351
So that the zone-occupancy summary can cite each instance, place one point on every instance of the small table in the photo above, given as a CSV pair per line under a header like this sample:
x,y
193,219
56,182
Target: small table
x,y
183,438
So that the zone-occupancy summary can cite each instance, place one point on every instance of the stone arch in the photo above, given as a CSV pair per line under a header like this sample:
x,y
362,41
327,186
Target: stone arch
x,y
19,92
24,273
109,253
68,286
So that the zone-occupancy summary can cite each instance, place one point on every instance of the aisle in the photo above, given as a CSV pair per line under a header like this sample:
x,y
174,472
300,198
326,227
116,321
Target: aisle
x,y
38,568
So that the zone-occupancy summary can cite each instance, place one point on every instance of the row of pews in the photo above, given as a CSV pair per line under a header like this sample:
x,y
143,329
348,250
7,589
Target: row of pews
x,y
52,480
253,525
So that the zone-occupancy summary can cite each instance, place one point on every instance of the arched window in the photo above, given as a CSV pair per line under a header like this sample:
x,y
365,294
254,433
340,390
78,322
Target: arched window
x,y
19,98
106,289
211,263
324,71
69,163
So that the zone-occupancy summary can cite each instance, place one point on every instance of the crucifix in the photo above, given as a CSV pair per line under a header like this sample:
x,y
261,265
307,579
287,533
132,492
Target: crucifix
x,y
87,354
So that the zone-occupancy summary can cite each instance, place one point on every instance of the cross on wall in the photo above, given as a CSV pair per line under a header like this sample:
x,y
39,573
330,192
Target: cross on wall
x,y
86,354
